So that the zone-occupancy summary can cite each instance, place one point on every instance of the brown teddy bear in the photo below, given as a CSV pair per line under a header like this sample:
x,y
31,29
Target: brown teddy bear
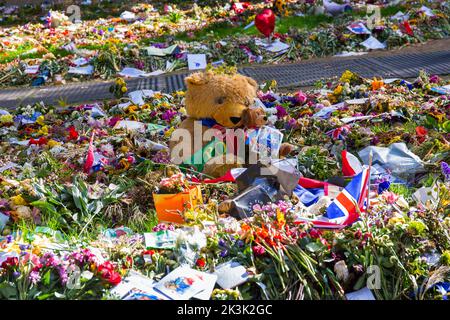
x,y
219,102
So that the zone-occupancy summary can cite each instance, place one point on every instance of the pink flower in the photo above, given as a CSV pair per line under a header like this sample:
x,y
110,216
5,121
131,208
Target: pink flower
x,y
390,197
34,277
301,97
258,250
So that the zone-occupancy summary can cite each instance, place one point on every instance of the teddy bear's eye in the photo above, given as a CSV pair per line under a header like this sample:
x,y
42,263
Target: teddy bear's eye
x,y
220,100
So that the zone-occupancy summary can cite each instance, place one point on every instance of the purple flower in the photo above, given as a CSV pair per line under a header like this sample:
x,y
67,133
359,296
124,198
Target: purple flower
x,y
222,243
161,157
62,274
16,274
281,112
223,253
291,124
240,243
49,260
168,115
34,277
445,170
434,79
24,247
283,206
139,64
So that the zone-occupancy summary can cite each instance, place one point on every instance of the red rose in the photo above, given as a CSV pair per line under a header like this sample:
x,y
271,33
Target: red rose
x,y
105,266
421,131
314,233
10,262
201,262
115,278
73,134
148,252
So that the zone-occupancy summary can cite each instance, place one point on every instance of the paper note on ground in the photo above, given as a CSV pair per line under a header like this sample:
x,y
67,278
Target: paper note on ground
x,y
196,61
373,43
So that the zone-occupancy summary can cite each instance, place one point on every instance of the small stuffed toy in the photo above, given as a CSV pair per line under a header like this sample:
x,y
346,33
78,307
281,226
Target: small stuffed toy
x,y
253,118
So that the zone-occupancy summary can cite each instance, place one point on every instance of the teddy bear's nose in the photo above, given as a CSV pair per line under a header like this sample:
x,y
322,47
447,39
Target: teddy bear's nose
x,y
265,118
235,120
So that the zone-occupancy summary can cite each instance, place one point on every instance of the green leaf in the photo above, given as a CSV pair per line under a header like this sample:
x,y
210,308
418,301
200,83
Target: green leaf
x,y
7,291
46,278
45,296
314,246
446,126
44,205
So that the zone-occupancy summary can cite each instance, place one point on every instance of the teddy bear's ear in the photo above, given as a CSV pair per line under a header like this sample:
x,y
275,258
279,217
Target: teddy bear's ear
x,y
198,78
252,82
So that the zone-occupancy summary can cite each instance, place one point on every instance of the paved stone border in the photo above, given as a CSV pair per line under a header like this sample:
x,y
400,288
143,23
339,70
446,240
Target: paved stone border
x,y
287,75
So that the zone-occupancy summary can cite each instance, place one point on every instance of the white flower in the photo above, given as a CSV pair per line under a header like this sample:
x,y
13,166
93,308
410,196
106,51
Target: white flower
x,y
341,270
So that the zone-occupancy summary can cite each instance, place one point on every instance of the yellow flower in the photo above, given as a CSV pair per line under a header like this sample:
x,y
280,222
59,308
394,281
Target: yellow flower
x,y
124,89
125,164
180,93
18,200
132,109
168,133
52,143
338,90
347,76
43,131
396,220
6,118
280,217
183,110
124,149
40,120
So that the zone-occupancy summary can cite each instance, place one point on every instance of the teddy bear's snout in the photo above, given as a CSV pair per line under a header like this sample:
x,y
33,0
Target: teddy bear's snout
x,y
265,118
235,120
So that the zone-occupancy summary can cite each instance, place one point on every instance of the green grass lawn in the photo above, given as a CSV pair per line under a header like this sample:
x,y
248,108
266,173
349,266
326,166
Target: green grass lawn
x,y
215,31
283,24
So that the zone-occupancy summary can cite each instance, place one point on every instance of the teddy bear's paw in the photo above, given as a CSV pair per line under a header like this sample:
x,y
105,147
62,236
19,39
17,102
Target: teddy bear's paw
x,y
224,207
217,167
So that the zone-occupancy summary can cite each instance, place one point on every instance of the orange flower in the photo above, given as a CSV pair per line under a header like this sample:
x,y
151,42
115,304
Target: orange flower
x,y
377,84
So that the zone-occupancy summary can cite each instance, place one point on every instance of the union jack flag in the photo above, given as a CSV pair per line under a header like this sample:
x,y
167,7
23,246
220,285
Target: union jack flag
x,y
339,133
345,208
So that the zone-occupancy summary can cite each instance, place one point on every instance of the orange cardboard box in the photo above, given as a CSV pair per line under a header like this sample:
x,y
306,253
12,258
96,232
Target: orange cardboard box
x,y
169,207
